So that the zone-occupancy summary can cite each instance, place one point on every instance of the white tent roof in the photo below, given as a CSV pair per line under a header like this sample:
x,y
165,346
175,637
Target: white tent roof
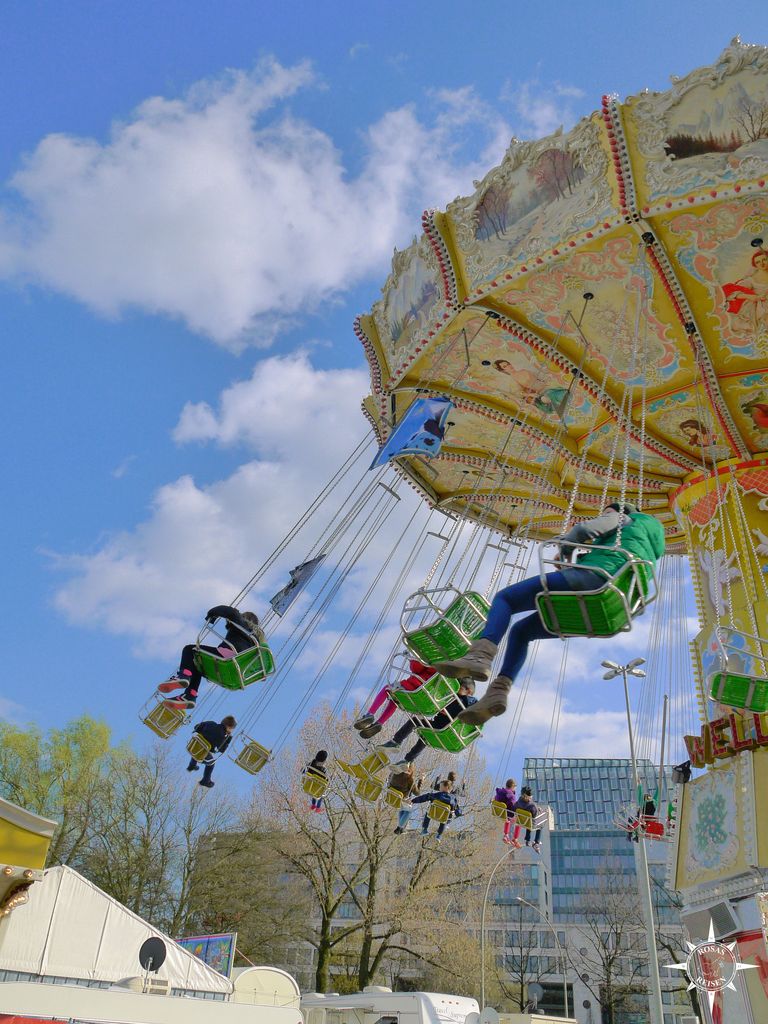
x,y
71,929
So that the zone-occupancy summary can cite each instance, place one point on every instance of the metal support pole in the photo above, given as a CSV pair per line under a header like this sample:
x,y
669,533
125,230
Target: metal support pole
x,y
661,759
498,863
560,949
644,887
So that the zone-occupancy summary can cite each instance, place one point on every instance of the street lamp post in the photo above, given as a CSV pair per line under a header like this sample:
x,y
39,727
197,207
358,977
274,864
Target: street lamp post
x,y
644,880
499,862
560,949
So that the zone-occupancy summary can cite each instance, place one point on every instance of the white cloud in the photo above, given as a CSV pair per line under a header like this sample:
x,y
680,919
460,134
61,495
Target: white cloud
x,y
286,409
10,711
200,544
542,109
223,209
122,468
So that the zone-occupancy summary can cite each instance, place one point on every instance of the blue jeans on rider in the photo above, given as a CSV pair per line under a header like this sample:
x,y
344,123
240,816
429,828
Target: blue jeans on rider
x,y
521,597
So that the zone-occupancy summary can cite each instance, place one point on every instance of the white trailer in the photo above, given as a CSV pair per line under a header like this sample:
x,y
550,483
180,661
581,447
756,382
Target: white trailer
x,y
379,1005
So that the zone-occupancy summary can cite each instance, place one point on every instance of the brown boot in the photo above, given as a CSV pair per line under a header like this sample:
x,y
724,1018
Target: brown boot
x,y
476,663
491,704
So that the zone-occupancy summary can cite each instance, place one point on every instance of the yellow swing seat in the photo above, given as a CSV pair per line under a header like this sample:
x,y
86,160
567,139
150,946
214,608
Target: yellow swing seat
x,y
198,747
524,819
252,756
394,797
367,767
440,811
162,718
499,809
314,784
369,789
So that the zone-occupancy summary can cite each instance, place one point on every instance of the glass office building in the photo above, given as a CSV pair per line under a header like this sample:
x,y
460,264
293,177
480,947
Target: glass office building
x,y
584,792
585,795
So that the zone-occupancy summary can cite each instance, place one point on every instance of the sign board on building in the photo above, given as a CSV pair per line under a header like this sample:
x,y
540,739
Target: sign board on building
x,y
218,951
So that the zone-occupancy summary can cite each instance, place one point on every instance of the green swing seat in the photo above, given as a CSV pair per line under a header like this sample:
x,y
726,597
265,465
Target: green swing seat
x,y
749,693
603,612
743,684
430,698
454,737
454,630
236,673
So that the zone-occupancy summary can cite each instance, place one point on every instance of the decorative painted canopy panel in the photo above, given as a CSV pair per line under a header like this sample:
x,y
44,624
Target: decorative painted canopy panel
x,y
597,309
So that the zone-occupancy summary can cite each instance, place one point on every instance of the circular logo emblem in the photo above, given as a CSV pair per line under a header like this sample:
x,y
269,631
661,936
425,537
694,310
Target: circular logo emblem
x,y
711,966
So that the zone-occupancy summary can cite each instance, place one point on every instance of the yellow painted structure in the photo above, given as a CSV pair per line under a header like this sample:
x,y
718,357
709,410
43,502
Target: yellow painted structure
x,y
24,842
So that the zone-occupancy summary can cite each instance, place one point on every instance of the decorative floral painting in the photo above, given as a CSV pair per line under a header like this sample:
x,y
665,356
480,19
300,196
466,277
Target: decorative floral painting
x,y
713,842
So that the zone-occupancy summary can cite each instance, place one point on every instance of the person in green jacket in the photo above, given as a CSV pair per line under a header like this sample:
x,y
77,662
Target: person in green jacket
x,y
641,535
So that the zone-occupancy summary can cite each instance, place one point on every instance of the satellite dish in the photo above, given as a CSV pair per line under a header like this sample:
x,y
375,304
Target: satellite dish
x,y
489,1016
152,954
535,991
473,1017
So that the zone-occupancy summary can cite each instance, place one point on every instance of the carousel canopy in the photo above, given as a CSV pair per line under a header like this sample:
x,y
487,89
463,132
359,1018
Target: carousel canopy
x,y
606,283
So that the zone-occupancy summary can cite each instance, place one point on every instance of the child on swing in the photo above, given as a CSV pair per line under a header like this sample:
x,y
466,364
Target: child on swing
x,y
367,724
443,795
317,767
507,794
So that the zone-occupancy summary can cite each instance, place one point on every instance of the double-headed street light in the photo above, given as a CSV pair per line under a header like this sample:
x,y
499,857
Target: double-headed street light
x,y
632,668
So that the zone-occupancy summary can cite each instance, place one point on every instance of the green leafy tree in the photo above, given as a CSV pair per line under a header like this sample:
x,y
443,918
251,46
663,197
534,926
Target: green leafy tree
x,y
62,775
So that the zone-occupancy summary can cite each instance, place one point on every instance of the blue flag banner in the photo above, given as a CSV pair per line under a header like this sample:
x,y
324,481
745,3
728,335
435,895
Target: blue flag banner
x,y
300,576
419,432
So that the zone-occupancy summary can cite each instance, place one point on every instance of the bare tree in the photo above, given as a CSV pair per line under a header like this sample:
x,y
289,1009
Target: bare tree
x,y
240,883
491,212
672,938
148,837
377,895
557,173
521,965
611,943
752,119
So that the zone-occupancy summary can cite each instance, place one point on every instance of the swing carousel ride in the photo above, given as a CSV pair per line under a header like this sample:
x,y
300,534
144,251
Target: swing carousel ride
x,y
596,312
589,326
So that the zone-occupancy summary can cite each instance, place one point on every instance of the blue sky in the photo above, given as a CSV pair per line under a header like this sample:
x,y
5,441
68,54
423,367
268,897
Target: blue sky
x,y
196,202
